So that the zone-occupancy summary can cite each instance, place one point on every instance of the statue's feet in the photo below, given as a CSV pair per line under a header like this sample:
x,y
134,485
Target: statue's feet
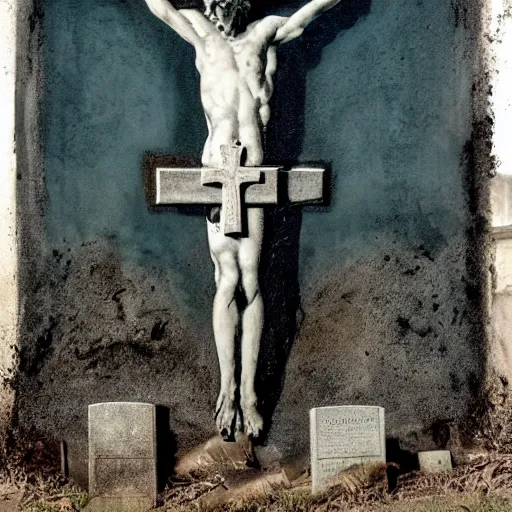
x,y
225,417
253,422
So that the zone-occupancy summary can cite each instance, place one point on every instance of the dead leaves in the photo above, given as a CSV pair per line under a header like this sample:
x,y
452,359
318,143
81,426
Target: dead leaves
x,y
183,491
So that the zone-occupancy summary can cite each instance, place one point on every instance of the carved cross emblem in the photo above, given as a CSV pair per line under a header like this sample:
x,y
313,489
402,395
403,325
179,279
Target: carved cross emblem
x,y
231,176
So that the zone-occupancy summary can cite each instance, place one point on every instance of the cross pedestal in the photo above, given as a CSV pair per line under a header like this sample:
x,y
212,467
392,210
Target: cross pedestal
x,y
234,187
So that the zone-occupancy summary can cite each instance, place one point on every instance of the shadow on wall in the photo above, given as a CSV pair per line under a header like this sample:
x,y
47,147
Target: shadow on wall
x,y
165,445
284,139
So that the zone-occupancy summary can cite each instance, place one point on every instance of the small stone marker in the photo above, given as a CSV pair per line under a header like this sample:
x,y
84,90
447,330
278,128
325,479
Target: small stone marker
x,y
435,461
343,436
122,457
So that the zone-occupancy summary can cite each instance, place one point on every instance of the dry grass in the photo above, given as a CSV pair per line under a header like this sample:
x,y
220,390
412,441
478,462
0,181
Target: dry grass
x,y
483,486
302,502
479,487
55,495
487,474
30,471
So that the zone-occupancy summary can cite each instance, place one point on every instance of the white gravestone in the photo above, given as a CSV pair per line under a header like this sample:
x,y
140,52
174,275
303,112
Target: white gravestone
x,y
122,456
342,437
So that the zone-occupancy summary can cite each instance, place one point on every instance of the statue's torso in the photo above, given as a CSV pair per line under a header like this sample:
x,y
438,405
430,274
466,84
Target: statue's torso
x,y
236,87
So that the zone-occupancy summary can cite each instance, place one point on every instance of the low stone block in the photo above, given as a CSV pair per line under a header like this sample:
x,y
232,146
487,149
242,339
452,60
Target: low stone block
x,y
435,461
342,437
122,456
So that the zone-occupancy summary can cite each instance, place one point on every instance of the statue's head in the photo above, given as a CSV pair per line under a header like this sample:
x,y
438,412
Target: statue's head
x,y
230,16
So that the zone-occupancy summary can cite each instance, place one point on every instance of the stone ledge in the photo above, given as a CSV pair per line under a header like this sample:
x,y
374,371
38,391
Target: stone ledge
x,y
502,232
503,264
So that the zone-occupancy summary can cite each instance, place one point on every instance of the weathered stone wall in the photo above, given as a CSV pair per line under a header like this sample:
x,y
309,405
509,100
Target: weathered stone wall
x,y
375,299
20,158
9,266
496,427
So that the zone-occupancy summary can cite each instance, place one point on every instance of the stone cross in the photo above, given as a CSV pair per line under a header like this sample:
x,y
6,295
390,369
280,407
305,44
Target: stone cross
x,y
241,186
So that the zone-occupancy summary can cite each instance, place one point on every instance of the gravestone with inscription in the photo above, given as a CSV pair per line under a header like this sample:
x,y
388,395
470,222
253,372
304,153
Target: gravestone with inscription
x,y
342,437
122,457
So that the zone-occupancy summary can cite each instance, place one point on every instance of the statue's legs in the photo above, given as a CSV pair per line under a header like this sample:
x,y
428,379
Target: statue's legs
x,y
236,262
252,320
225,320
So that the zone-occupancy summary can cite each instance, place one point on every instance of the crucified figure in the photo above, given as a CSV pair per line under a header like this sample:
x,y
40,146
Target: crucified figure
x,y
236,61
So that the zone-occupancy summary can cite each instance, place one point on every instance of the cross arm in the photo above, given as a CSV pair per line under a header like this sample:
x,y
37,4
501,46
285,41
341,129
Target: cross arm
x,y
304,185
212,176
299,185
182,185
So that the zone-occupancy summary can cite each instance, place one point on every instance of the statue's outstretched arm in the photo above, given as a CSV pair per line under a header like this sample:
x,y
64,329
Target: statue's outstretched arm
x,y
297,22
164,10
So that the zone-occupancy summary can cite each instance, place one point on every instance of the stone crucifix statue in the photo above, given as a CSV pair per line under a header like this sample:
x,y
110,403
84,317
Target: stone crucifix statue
x,y
236,61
